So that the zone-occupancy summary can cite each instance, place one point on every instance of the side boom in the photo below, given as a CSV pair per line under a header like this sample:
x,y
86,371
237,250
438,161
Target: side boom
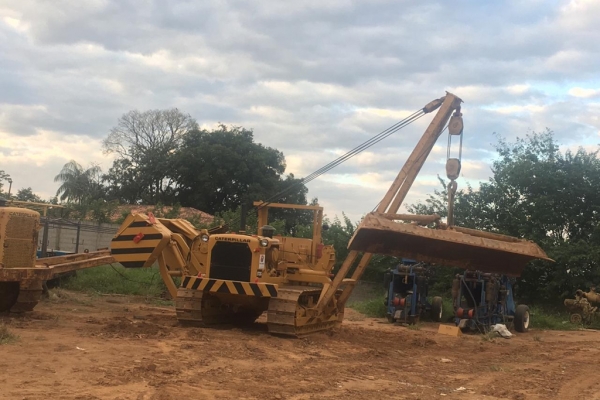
x,y
396,194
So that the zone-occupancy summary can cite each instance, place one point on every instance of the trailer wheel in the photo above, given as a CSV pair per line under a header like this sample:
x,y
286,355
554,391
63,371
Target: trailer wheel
x,y
9,291
521,320
436,309
576,319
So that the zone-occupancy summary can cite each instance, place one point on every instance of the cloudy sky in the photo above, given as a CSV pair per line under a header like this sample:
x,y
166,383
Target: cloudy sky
x,y
311,78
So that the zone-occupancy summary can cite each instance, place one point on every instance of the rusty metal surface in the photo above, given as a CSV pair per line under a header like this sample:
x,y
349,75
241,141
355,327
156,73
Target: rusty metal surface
x,y
47,268
18,236
487,252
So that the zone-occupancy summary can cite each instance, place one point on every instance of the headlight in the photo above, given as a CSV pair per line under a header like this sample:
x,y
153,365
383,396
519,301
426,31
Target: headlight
x,y
204,238
264,242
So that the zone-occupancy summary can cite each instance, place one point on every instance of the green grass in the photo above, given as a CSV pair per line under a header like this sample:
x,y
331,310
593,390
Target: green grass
x,y
6,336
373,308
118,280
541,319
447,310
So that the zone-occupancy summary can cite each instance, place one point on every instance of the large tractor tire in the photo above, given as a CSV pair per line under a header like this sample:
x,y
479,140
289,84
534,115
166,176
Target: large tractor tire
x,y
521,320
436,309
576,319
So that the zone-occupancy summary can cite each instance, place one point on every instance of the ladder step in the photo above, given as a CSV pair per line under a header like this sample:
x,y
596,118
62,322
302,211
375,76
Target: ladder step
x,y
348,280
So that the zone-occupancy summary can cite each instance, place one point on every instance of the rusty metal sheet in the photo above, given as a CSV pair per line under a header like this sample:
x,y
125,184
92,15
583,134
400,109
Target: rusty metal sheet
x,y
448,247
48,267
69,258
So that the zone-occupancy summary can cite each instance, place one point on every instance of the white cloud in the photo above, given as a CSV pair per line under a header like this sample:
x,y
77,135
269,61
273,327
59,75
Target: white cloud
x,y
584,93
312,79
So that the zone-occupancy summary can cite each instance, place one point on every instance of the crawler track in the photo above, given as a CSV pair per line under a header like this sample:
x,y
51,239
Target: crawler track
x,y
290,313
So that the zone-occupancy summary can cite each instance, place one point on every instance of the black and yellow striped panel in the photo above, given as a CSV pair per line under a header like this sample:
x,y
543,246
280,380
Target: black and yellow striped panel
x,y
137,255
230,287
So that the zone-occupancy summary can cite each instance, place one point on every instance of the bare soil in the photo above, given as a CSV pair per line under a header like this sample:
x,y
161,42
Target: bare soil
x,y
112,347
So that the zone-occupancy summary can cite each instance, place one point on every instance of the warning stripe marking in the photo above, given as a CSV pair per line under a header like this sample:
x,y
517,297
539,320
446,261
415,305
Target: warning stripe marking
x,y
229,287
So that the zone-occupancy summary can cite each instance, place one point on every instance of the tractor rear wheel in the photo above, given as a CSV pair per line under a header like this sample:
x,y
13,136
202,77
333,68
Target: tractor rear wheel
x,y
436,309
575,319
521,320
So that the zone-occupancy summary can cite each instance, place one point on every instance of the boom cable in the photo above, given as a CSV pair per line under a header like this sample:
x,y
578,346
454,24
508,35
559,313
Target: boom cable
x,y
345,157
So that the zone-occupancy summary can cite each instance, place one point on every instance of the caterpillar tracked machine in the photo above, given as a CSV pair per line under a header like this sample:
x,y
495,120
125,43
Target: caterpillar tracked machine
x,y
235,277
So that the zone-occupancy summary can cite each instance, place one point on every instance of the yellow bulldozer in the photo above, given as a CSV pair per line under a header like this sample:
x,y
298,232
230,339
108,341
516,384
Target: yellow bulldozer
x,y
235,277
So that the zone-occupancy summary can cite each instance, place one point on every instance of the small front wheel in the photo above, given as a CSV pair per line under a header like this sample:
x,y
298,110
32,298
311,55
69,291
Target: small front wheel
x,y
521,320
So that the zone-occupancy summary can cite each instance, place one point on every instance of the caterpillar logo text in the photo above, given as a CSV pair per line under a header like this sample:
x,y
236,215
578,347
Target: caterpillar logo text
x,y
231,239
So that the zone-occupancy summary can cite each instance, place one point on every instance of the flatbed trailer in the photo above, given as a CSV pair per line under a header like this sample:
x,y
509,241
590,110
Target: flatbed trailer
x,y
21,288
22,275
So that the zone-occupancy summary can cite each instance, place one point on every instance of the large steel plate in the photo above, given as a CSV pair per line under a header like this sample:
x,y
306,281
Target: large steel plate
x,y
446,247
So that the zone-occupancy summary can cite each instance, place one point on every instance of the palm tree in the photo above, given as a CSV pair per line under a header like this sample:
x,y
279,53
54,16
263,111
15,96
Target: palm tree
x,y
77,183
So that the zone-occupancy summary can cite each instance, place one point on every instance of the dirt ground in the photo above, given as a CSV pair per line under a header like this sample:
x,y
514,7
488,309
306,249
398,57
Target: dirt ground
x,y
111,347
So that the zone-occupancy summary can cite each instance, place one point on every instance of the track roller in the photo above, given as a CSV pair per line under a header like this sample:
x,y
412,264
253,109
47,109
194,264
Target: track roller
x,y
198,308
291,313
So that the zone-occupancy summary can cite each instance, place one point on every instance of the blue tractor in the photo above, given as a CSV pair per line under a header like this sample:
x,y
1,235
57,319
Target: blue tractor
x,y
407,288
481,300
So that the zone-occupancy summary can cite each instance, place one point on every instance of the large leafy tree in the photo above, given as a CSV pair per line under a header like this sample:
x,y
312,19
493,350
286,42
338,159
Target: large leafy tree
x,y
146,144
221,169
78,184
125,183
542,194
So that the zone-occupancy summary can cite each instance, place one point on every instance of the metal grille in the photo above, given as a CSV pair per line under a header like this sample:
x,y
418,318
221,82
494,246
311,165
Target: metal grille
x,y
231,261
21,226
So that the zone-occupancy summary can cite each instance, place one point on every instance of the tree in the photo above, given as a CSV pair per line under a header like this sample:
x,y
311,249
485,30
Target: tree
x,y
544,195
3,177
221,169
338,235
78,184
124,182
145,143
26,194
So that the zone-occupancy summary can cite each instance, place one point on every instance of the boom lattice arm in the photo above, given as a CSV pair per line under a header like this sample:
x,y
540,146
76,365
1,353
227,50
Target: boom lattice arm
x,y
396,194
